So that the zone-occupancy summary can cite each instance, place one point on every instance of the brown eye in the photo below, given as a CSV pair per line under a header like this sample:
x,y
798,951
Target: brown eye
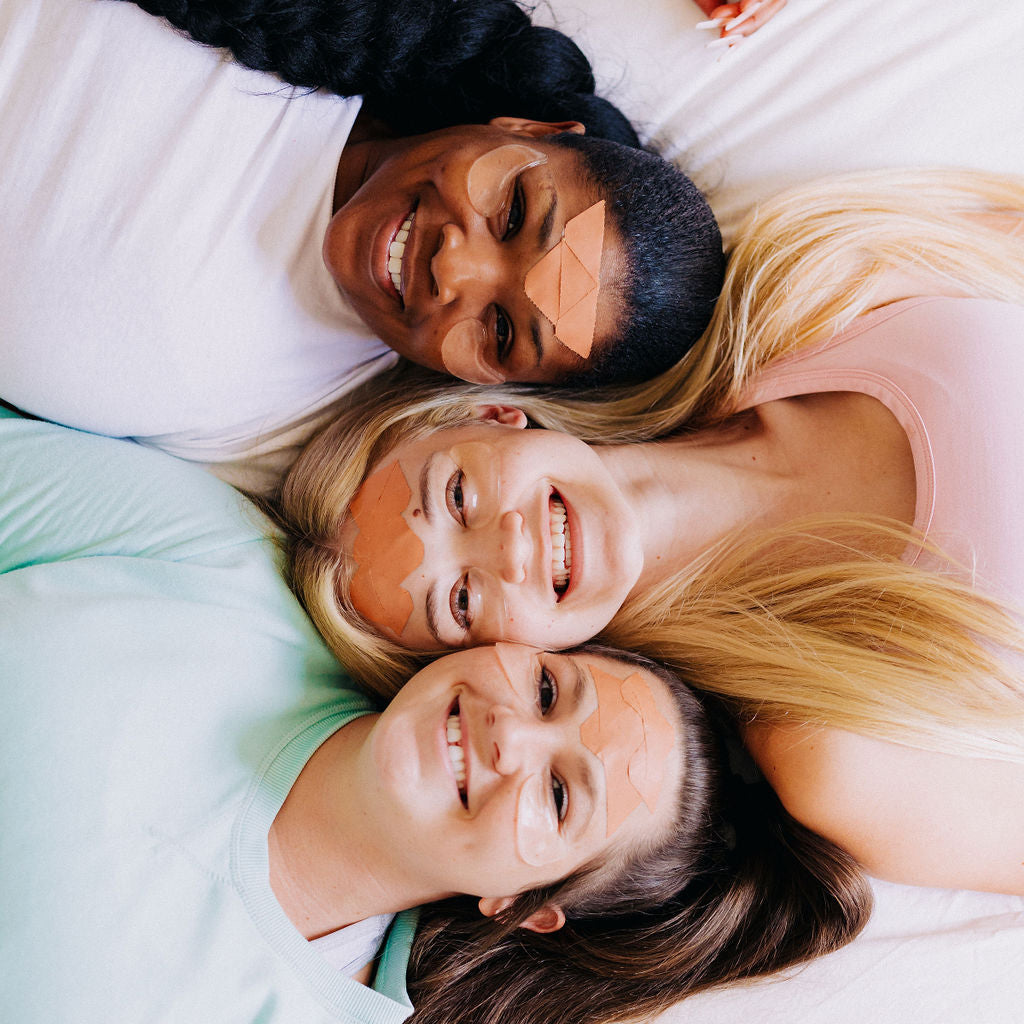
x,y
455,497
504,335
547,691
558,795
458,601
516,213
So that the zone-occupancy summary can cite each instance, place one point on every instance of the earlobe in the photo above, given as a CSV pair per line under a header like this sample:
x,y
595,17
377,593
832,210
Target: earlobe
x,y
537,129
544,921
506,415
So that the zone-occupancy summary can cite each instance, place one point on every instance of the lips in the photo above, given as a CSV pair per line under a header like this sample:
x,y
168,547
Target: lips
x,y
397,247
456,751
561,544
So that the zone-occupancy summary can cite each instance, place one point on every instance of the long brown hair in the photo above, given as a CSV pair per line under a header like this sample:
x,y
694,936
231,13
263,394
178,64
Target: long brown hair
x,y
737,889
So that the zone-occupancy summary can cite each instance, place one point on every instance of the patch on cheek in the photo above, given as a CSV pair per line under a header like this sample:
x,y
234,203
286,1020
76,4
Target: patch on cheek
x,y
538,841
631,737
565,283
491,175
462,353
513,660
385,549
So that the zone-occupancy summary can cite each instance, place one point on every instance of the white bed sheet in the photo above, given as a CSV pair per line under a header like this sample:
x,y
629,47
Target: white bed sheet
x,y
829,86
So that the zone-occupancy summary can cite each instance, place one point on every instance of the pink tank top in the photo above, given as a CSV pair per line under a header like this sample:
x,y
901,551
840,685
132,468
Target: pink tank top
x,y
952,373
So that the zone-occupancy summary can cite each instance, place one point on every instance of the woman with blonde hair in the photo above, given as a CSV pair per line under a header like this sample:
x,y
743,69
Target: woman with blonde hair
x,y
780,543
195,788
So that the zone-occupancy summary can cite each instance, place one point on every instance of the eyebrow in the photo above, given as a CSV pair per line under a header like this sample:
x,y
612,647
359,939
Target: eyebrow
x,y
425,497
544,235
432,615
581,817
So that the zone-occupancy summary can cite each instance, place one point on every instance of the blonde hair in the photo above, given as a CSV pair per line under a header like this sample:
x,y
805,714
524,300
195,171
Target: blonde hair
x,y
862,643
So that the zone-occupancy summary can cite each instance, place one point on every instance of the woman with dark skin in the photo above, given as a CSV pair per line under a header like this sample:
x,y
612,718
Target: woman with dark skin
x,y
250,252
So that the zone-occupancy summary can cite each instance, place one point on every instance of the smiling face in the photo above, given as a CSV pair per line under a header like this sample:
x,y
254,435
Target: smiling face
x,y
434,247
502,767
525,537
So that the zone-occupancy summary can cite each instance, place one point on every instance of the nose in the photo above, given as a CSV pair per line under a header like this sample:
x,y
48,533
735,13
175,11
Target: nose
x,y
464,260
513,548
518,740
499,547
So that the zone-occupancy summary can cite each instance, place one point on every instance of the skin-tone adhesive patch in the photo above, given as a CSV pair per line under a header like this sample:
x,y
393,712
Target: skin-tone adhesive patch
x,y
538,839
462,353
632,739
490,177
564,284
385,549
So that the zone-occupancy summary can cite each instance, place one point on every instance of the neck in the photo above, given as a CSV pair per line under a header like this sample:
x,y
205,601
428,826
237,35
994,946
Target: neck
x,y
690,492
331,858
829,454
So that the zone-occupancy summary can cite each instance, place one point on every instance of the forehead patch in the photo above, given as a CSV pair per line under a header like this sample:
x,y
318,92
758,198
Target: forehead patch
x,y
564,284
631,737
386,549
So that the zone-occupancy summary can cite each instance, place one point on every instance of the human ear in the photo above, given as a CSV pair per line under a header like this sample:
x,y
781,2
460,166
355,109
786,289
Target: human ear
x,y
548,919
537,129
506,415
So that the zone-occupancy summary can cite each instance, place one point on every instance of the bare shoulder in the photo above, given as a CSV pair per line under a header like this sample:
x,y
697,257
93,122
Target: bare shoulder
x,y
905,814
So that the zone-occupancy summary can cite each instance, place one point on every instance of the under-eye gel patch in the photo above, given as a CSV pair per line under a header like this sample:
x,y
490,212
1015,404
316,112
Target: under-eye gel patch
x,y
462,353
538,838
564,284
632,739
386,550
491,175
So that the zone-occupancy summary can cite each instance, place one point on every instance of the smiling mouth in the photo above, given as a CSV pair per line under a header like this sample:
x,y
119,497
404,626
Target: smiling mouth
x,y
456,754
396,254
561,545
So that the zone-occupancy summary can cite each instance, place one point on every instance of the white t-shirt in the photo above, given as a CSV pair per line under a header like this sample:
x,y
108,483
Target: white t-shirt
x,y
163,211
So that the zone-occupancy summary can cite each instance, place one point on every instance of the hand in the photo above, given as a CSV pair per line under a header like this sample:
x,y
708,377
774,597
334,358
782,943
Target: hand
x,y
739,19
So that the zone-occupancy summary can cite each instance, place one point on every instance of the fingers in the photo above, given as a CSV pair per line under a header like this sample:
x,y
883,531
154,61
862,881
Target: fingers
x,y
735,21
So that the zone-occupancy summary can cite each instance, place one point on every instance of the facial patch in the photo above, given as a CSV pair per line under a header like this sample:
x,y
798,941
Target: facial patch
x,y
462,353
490,176
538,839
386,550
633,740
565,282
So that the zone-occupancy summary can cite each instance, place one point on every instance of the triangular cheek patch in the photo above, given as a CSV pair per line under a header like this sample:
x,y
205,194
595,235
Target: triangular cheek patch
x,y
565,287
385,548
576,284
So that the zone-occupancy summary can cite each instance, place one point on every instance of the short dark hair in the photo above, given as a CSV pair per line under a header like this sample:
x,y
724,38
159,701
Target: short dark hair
x,y
674,259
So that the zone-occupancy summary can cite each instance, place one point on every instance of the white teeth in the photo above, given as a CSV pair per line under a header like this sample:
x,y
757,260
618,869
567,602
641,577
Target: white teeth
x,y
396,254
457,755
561,544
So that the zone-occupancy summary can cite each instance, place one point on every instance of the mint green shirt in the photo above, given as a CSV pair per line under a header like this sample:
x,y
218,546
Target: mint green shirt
x,y
162,690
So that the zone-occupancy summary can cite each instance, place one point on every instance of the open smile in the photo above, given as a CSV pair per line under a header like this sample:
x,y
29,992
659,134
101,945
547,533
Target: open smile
x,y
456,752
561,545
394,257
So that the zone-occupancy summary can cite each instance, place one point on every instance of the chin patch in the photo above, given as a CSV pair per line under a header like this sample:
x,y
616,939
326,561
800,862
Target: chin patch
x,y
564,284
633,741
385,549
